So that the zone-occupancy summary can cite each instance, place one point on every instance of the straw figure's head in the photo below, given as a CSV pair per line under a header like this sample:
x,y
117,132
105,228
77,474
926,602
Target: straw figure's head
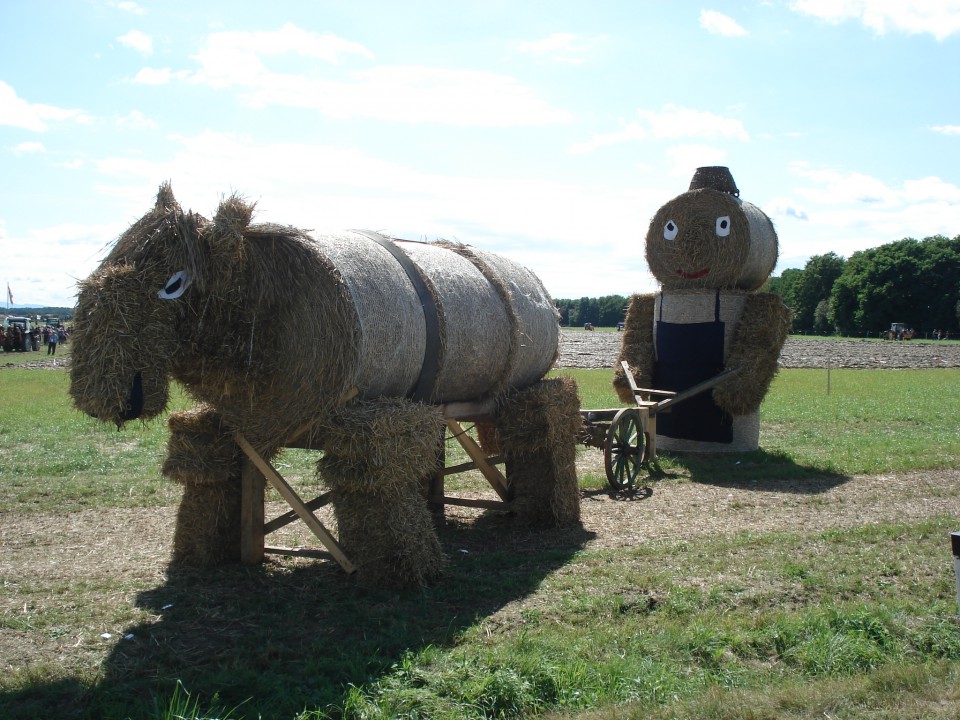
x,y
709,238
214,304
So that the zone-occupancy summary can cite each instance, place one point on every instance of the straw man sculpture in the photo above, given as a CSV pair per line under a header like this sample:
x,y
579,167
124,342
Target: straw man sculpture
x,y
710,252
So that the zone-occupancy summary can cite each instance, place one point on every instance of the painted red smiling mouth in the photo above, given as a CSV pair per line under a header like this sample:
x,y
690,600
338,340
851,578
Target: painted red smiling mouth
x,y
694,275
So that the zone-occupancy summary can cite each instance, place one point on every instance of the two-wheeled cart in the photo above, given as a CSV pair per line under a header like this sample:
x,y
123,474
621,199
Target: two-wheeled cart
x,y
628,436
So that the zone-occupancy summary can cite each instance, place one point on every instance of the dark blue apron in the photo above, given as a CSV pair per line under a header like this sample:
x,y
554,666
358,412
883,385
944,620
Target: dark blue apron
x,y
689,353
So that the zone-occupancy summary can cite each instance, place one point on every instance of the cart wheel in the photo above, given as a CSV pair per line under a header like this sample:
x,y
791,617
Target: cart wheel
x,y
623,450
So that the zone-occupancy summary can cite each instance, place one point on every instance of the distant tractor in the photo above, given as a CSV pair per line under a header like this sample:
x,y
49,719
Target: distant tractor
x,y
899,331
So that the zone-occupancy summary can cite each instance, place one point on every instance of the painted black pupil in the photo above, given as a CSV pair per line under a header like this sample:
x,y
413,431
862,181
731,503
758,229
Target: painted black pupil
x,y
723,224
174,286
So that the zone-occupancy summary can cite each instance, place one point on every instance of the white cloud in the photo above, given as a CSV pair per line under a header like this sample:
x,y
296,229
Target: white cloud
x,y
627,133
548,225
136,119
781,207
136,40
931,189
234,58
685,159
411,94
834,187
128,6
414,94
947,129
940,18
29,148
159,76
717,23
19,113
561,47
848,211
671,122
66,253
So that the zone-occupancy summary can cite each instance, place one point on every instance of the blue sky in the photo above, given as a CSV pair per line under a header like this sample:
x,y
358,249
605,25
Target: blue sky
x,y
547,131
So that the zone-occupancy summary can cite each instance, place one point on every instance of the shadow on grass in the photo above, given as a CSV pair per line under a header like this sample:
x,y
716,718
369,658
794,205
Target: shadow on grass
x,y
756,470
293,634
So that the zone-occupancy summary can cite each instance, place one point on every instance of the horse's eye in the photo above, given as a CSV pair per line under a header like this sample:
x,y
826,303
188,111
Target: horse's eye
x,y
176,286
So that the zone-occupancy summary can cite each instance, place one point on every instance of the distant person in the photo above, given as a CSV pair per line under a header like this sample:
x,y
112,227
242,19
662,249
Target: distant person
x,y
52,343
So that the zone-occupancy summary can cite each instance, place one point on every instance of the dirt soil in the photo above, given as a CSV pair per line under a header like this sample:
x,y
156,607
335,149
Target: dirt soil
x,y
582,349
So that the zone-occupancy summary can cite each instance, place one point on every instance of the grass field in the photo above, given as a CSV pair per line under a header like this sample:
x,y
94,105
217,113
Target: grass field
x,y
853,620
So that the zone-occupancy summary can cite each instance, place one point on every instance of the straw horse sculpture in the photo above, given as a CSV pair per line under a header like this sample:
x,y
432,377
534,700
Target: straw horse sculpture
x,y
275,333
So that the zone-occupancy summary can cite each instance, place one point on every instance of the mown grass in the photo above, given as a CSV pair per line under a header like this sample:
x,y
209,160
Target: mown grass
x,y
848,622
849,422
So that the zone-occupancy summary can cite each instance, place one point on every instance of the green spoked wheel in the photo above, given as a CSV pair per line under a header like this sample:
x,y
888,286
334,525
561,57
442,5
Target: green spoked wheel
x,y
623,450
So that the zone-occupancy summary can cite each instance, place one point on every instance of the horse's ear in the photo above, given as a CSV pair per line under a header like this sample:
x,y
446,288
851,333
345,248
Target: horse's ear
x,y
233,216
230,224
165,198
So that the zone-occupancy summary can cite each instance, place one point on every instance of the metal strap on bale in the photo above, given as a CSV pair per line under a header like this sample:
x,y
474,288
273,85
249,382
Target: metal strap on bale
x,y
423,390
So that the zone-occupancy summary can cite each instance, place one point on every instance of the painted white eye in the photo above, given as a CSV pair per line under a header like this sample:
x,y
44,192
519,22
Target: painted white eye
x,y
670,230
723,226
176,286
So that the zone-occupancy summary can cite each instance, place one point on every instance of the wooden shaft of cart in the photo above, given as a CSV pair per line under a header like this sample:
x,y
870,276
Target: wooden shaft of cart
x,y
700,387
671,397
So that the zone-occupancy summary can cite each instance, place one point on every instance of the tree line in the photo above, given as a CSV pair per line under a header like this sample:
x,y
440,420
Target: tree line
x,y
916,282
603,312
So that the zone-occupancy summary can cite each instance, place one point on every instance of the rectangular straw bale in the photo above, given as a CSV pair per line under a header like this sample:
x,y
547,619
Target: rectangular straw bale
x,y
207,532
538,428
199,449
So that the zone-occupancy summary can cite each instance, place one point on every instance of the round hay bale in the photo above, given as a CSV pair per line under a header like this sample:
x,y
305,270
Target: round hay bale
x,y
710,238
475,320
536,330
388,313
496,323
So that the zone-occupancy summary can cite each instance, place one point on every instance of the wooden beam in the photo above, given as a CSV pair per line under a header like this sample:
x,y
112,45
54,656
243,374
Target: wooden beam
x,y
251,513
475,410
496,479
291,516
467,466
298,552
474,503
294,501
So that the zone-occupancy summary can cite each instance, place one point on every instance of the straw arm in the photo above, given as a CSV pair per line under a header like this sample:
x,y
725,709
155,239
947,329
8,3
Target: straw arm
x,y
636,346
755,349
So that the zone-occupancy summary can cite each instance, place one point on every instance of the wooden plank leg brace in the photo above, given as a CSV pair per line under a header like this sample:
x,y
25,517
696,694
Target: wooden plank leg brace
x,y
496,479
294,501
